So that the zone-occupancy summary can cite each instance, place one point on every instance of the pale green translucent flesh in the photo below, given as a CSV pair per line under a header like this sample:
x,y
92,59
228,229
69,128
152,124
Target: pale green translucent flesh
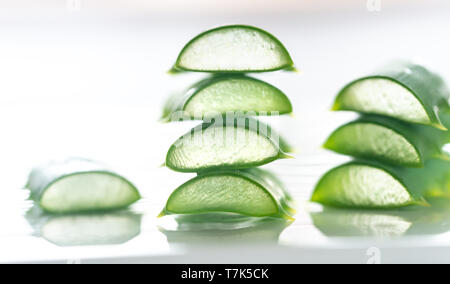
x,y
225,193
221,146
234,49
384,97
368,140
238,95
88,192
361,186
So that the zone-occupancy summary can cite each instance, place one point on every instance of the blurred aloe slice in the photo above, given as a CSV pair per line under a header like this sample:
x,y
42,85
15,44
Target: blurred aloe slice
x,y
402,90
235,48
78,185
388,140
227,143
252,193
370,185
219,95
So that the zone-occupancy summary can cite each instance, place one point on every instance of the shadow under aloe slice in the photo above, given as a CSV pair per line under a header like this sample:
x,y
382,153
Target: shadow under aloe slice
x,y
405,91
219,95
77,185
236,143
371,185
388,140
249,193
235,48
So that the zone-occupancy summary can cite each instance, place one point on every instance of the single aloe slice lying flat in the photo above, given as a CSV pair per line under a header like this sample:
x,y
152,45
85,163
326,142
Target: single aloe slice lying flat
x,y
219,95
80,186
404,91
248,192
363,184
236,143
235,48
388,140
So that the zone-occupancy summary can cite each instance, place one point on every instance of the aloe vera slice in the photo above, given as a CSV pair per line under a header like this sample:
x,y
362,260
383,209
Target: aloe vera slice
x,y
235,48
370,185
247,192
219,95
232,143
388,140
405,91
78,185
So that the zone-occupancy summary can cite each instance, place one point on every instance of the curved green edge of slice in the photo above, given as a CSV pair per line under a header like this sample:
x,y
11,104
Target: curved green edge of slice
x,y
66,188
361,185
229,192
373,185
234,48
219,95
405,91
388,140
226,145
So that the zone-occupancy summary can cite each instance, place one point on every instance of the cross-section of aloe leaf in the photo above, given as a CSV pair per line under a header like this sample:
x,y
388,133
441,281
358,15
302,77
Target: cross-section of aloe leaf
x,y
226,143
78,185
219,95
388,140
405,91
363,184
246,192
235,48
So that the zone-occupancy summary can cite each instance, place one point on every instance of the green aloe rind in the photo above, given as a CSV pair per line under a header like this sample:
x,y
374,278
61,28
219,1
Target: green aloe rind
x,y
388,140
252,193
229,143
403,90
78,185
221,94
234,49
372,185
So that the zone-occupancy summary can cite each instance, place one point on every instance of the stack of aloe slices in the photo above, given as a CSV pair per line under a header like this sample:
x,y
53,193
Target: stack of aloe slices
x,y
225,149
80,186
398,141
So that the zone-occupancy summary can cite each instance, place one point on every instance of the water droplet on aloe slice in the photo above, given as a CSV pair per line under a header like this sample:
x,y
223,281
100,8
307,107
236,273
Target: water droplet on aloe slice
x,y
247,192
80,186
370,185
404,91
219,95
235,48
388,140
237,143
